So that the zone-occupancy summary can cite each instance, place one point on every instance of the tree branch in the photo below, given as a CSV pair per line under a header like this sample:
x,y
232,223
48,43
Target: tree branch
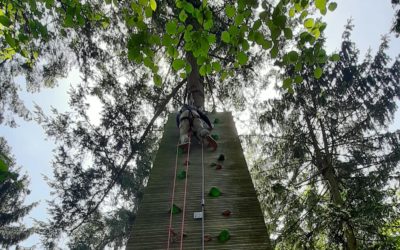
x,y
133,152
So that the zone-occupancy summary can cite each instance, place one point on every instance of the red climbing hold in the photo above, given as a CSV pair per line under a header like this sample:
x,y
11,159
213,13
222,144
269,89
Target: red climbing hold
x,y
207,238
226,213
218,166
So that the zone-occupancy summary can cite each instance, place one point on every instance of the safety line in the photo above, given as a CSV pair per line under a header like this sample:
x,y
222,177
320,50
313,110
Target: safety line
x,y
173,196
184,196
202,195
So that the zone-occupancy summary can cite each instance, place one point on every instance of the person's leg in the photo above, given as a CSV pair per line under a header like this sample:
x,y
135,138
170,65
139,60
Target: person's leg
x,y
184,127
199,127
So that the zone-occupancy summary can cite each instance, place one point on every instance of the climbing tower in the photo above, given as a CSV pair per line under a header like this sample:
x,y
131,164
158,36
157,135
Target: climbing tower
x,y
232,218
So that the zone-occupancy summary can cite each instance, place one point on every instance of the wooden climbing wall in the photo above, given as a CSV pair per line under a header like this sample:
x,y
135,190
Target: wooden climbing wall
x,y
245,224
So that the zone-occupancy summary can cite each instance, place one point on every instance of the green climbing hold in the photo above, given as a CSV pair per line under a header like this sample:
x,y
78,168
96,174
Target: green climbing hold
x,y
215,137
213,164
216,121
176,209
181,175
224,236
214,192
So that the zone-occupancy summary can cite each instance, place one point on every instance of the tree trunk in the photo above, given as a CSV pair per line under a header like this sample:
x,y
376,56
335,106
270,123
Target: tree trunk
x,y
195,86
325,167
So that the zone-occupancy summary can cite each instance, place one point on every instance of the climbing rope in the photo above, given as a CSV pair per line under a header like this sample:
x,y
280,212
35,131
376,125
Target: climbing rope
x,y
184,194
173,196
202,195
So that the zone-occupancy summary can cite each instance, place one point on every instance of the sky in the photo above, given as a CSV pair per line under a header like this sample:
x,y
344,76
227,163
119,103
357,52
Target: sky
x,y
33,152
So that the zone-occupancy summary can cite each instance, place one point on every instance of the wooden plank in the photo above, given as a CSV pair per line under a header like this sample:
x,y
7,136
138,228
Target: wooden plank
x,y
246,224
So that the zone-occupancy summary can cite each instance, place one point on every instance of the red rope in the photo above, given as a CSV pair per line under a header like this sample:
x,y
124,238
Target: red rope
x,y
184,196
173,196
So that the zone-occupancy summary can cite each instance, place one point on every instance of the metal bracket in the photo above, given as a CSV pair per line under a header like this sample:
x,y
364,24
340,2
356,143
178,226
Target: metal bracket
x,y
198,215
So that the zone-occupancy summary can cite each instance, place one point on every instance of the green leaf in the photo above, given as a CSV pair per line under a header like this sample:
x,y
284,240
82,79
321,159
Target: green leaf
x,y
274,51
148,12
332,6
171,27
280,21
230,10
3,166
68,21
318,72
293,56
316,33
4,20
224,236
287,83
298,79
157,80
208,24
203,70
298,67
257,24
309,23
288,33
225,36
148,62
144,2
178,64
216,66
267,44
242,58
239,19
214,192
321,5
153,5
292,12
10,40
189,7
182,174
183,16
245,45
335,57
211,38
175,209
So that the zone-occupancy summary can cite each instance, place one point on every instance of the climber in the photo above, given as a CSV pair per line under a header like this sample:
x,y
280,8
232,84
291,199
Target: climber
x,y
192,120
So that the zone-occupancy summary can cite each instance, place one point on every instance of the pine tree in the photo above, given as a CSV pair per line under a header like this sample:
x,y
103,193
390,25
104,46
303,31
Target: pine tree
x,y
13,189
328,178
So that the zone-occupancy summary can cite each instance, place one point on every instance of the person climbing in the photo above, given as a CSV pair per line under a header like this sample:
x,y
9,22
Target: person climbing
x,y
191,120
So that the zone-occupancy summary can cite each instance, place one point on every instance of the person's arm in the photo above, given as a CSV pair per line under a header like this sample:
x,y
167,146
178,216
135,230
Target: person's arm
x,y
205,119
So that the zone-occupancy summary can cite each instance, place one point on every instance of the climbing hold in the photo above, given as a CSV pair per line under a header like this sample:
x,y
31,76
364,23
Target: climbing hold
x,y
214,192
181,175
175,209
216,121
213,164
218,166
224,236
221,157
215,137
207,238
186,162
180,151
226,213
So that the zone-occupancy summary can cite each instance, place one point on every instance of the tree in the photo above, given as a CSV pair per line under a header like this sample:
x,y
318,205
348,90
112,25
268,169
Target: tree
x,y
327,179
122,46
13,189
396,23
